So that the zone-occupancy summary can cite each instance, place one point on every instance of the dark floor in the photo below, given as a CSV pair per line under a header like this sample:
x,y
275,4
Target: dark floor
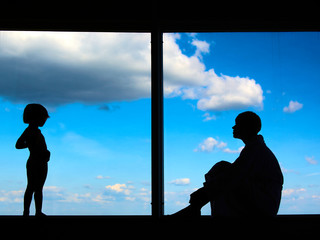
x,y
61,227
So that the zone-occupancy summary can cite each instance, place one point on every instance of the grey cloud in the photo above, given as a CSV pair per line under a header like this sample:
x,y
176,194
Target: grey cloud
x,y
22,81
55,79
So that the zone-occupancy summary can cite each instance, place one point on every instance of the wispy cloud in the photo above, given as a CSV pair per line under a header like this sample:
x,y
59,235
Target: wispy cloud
x,y
228,150
293,107
180,181
311,160
292,191
285,170
108,195
108,108
14,196
102,177
208,117
313,174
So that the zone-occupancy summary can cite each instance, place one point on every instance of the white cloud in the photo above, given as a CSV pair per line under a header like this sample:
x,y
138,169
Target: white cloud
x,y
311,160
76,197
201,47
317,197
14,196
109,194
209,144
180,71
187,77
290,191
208,117
293,107
180,182
102,177
59,195
228,150
178,199
61,68
119,188
52,189
101,198
313,174
127,192
225,93
285,170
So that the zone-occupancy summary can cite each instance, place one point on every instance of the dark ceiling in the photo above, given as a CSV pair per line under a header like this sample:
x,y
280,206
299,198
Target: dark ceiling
x,y
167,16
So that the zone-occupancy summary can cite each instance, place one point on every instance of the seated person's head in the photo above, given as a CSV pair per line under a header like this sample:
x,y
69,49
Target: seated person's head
x,y
248,124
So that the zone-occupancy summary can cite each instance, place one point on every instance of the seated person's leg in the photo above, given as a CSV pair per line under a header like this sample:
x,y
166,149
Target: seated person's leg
x,y
201,197
197,200
216,171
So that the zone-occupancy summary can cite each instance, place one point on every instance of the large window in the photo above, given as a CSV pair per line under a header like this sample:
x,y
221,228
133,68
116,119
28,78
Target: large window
x,y
209,78
97,89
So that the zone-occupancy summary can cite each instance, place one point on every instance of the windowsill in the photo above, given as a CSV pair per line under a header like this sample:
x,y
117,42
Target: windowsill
x,y
130,226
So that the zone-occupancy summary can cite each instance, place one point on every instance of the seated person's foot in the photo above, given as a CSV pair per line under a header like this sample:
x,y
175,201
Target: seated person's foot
x,y
189,211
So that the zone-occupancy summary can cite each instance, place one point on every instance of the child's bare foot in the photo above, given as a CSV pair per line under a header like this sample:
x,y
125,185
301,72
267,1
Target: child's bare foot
x,y
41,214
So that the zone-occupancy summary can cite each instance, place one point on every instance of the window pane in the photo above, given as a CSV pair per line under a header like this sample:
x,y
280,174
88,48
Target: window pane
x,y
209,78
96,87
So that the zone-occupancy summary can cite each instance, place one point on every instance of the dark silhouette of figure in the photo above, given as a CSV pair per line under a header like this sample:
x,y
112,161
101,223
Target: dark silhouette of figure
x,y
35,115
251,186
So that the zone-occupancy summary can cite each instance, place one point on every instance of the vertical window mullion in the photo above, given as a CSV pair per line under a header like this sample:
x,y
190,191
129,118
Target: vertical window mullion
x,y
157,189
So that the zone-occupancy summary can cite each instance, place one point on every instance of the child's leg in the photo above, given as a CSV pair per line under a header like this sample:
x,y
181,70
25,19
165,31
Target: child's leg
x,y
27,200
29,192
38,195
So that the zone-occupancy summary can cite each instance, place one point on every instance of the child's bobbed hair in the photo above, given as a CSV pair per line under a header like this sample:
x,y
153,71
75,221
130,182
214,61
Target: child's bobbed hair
x,y
34,113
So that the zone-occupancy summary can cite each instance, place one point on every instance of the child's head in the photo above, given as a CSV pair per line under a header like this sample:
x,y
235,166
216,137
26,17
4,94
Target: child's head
x,y
35,113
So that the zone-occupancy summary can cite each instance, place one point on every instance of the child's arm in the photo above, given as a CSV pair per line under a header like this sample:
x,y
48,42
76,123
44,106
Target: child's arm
x,y
22,141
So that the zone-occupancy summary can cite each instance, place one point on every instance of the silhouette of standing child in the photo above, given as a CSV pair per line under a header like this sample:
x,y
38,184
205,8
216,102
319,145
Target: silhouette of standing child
x,y
35,115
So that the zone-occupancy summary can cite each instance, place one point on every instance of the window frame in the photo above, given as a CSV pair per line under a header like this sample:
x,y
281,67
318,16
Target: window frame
x,y
156,29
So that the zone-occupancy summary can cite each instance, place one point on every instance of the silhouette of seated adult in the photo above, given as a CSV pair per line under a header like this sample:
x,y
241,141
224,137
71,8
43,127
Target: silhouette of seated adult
x,y
251,186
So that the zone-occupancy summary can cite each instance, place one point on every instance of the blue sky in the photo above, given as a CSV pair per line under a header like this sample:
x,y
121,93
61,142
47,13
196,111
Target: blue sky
x,y
96,87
